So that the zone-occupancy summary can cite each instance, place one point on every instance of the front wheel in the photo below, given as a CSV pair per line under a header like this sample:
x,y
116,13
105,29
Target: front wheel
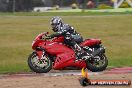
x,y
37,65
98,63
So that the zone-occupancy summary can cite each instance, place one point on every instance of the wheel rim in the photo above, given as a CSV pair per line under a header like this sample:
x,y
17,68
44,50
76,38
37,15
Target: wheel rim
x,y
98,61
42,63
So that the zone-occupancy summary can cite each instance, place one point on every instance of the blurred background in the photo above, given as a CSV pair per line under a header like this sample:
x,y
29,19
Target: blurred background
x,y
44,5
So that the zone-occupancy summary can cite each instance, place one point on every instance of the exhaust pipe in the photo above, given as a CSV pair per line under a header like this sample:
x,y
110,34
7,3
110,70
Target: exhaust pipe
x,y
98,51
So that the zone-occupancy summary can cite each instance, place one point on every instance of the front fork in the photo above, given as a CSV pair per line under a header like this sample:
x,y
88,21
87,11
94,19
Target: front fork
x,y
40,52
42,59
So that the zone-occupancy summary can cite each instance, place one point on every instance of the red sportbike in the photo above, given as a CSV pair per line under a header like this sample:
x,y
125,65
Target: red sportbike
x,y
54,54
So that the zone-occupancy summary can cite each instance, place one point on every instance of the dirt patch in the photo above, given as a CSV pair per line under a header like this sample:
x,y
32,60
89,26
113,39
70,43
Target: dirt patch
x,y
60,81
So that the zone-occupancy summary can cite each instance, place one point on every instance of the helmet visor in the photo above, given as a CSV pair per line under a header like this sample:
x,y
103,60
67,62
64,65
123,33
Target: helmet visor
x,y
54,25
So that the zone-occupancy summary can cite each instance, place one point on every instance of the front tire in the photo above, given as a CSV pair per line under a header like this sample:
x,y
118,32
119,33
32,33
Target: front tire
x,y
43,66
94,66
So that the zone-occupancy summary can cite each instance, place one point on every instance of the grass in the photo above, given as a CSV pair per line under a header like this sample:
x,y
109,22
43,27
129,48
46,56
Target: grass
x,y
90,12
17,33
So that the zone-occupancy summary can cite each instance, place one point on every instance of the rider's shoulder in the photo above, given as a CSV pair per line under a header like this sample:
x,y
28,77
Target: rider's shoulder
x,y
66,26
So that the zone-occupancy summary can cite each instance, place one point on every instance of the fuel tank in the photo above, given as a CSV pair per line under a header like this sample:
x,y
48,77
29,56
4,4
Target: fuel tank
x,y
55,48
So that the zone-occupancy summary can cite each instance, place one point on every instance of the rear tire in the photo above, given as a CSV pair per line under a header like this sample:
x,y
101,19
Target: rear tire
x,y
35,67
94,68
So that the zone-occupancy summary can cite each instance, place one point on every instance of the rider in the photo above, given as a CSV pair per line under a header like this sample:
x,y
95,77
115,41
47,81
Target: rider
x,y
71,37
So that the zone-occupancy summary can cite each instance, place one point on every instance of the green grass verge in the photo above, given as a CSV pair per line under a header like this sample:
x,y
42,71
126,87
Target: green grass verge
x,y
17,33
63,13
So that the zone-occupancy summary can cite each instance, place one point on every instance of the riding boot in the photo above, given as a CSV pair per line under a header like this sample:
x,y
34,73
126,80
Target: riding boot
x,y
80,53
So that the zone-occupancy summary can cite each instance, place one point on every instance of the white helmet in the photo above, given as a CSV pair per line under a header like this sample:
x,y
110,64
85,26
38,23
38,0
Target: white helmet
x,y
56,23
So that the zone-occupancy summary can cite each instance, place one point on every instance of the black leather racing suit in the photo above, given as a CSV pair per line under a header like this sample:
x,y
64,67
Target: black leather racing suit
x,y
71,37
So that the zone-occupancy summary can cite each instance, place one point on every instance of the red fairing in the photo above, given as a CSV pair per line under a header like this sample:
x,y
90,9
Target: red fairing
x,y
65,56
38,41
90,42
66,60
58,39
55,48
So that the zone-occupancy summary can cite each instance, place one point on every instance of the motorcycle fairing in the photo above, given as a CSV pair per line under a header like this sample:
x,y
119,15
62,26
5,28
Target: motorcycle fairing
x,y
67,60
65,56
58,39
55,48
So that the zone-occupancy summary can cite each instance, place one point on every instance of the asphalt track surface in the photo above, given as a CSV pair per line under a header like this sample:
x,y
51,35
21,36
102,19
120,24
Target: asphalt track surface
x,y
62,79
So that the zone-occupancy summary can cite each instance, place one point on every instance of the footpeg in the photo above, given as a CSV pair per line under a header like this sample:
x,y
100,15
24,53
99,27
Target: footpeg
x,y
86,57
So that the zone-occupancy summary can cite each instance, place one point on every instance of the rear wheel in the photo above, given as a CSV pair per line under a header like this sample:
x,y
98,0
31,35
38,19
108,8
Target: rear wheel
x,y
98,63
42,65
